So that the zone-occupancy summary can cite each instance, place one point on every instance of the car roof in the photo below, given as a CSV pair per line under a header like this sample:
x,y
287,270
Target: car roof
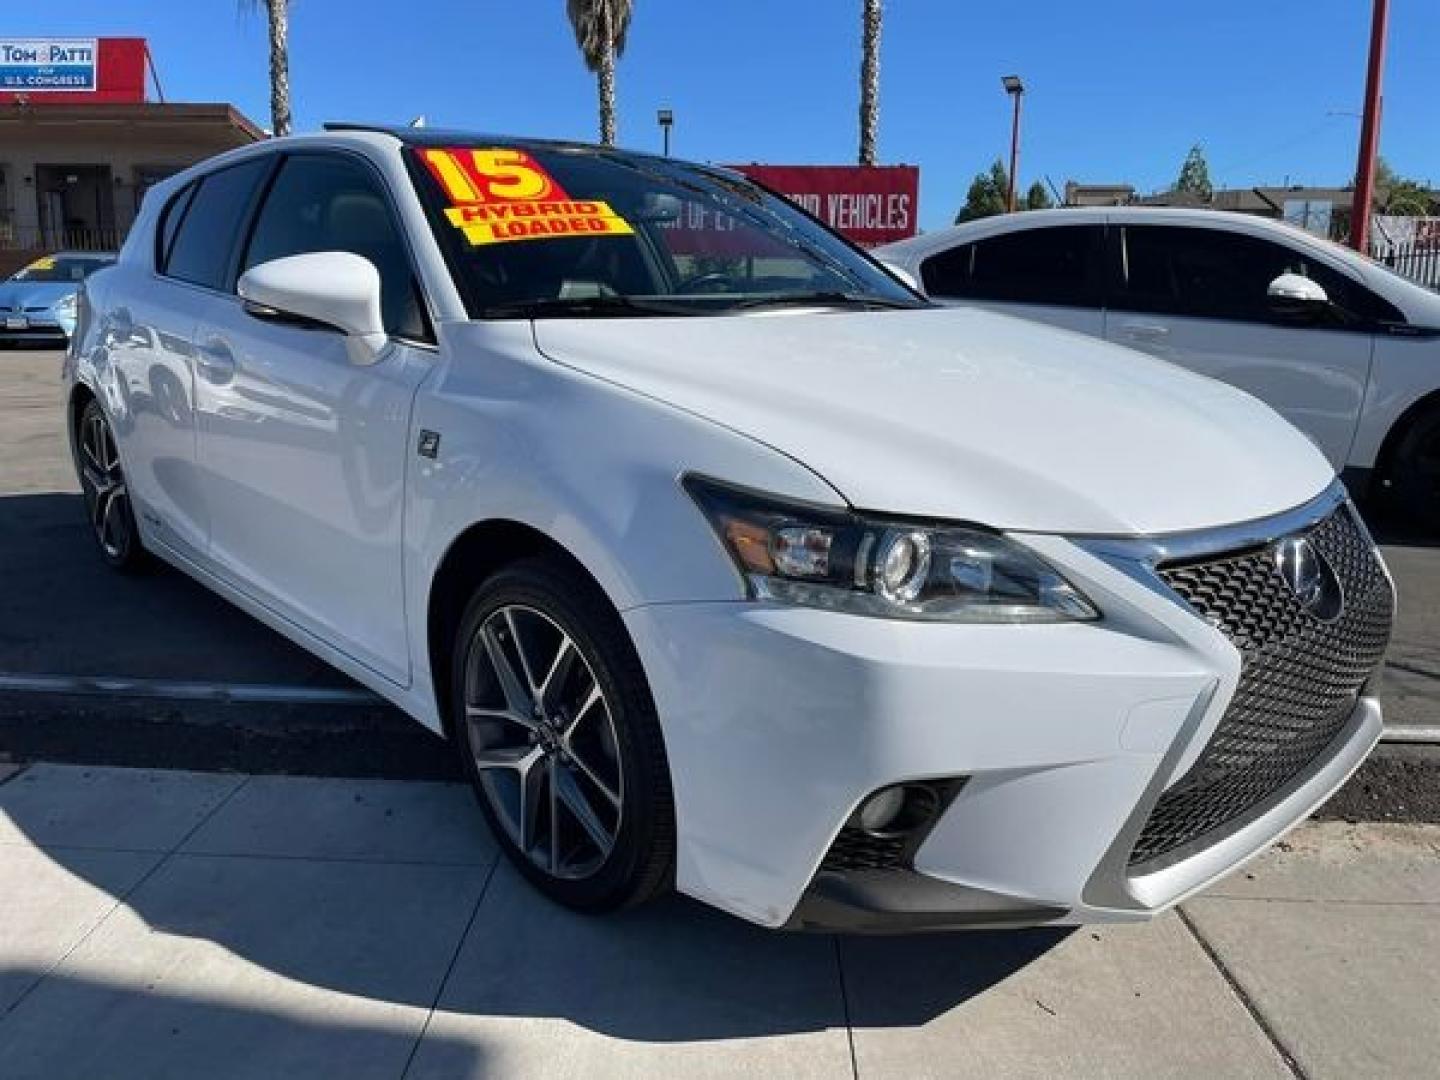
x,y
427,136
928,243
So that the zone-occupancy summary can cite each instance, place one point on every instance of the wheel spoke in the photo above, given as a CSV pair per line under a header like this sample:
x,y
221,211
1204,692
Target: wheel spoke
x,y
552,773
590,774
109,523
592,699
520,652
580,809
505,715
529,798
516,699
517,758
558,673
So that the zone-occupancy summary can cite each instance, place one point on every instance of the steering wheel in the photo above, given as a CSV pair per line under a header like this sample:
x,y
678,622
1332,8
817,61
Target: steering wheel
x,y
704,282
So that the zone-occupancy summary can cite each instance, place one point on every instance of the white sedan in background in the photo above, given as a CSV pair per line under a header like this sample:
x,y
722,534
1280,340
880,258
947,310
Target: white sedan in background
x,y
1345,349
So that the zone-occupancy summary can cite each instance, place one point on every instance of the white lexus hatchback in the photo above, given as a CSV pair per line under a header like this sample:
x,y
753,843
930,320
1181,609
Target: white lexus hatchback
x,y
725,561
1342,347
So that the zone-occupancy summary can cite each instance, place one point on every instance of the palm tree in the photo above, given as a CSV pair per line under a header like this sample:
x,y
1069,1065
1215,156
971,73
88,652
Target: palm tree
x,y
870,80
600,27
277,13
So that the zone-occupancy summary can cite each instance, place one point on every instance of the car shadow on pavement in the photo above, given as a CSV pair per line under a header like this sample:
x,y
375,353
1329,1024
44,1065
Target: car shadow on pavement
x,y
67,613
74,1026
211,939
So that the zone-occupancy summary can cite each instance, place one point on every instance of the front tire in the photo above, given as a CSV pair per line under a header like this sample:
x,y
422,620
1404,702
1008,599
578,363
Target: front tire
x,y
1414,480
558,734
107,494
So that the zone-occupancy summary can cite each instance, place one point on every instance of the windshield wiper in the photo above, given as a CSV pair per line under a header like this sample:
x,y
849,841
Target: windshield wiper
x,y
584,307
833,298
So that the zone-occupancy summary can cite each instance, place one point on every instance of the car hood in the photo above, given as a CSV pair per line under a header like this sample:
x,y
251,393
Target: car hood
x,y
17,295
968,415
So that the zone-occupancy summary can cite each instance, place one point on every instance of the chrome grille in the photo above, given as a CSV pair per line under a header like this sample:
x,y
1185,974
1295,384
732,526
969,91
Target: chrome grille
x,y
1299,679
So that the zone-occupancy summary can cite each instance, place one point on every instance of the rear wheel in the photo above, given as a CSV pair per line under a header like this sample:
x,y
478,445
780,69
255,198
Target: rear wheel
x,y
107,495
558,734
1414,475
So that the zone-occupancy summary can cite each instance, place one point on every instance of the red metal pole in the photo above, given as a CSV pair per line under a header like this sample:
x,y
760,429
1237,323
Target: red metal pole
x,y
1369,132
1014,153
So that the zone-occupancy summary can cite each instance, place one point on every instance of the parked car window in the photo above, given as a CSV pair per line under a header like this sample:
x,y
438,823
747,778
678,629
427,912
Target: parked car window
x,y
203,246
1058,266
1217,274
170,219
328,203
53,269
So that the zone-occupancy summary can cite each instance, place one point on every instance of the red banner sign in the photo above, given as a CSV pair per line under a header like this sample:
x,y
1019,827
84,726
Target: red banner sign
x,y
72,71
871,205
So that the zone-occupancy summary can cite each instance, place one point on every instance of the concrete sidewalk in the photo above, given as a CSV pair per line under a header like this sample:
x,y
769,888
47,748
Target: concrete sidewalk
x,y
170,924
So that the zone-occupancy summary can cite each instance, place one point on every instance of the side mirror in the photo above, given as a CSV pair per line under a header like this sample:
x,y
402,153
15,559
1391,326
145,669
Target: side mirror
x,y
1296,295
905,276
332,289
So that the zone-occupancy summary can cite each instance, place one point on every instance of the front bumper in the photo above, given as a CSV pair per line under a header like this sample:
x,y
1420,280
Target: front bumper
x,y
780,721
38,327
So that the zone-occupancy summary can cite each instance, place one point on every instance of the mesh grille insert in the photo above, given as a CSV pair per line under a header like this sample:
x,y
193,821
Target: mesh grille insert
x,y
1299,678
855,849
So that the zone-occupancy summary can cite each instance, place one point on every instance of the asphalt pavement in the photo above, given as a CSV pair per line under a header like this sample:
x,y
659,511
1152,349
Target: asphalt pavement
x,y
158,671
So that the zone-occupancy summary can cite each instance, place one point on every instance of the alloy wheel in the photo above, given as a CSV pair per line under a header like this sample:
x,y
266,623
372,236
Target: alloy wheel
x,y
543,740
103,482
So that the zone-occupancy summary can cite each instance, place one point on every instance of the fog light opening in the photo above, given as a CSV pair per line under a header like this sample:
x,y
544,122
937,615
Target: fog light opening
x,y
896,810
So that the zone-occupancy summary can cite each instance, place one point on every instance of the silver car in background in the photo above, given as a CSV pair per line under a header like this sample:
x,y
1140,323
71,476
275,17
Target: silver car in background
x,y
37,302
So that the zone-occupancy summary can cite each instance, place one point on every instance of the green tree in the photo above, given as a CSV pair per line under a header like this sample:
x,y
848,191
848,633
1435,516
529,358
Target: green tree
x,y
873,18
1396,195
1037,198
600,28
1195,175
986,196
277,15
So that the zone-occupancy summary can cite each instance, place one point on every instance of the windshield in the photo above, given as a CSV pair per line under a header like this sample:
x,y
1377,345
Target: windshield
x,y
59,268
561,232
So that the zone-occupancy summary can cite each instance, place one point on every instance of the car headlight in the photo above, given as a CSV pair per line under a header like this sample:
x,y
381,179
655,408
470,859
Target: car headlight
x,y
843,561
65,306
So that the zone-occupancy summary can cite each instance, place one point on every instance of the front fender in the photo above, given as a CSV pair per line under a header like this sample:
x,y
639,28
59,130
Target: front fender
x,y
592,466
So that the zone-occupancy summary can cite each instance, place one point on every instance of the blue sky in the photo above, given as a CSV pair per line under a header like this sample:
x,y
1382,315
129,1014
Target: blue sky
x,y
1119,89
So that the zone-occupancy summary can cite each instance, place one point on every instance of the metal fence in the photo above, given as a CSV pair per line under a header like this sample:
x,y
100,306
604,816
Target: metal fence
x,y
1419,262
19,238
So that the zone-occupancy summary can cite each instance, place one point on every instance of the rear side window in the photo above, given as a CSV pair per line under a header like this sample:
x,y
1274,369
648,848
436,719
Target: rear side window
x,y
170,219
328,203
1059,266
204,240
1217,274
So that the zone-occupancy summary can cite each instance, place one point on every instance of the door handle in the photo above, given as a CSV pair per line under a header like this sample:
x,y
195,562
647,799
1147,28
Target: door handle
x,y
215,360
1141,331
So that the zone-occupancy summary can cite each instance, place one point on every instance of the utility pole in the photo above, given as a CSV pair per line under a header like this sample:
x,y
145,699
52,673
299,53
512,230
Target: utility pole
x,y
666,119
1016,89
1369,131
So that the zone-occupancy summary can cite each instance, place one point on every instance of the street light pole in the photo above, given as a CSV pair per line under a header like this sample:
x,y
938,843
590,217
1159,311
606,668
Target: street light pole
x,y
1369,131
1016,89
666,118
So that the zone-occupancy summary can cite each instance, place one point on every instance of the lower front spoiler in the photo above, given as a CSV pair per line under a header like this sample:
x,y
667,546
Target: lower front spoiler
x,y
905,902
902,900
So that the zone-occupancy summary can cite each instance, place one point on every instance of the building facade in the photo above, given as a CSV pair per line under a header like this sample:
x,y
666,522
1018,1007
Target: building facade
x,y
80,143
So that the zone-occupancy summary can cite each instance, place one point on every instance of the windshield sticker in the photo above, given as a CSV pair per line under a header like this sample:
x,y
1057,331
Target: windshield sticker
x,y
501,195
47,263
